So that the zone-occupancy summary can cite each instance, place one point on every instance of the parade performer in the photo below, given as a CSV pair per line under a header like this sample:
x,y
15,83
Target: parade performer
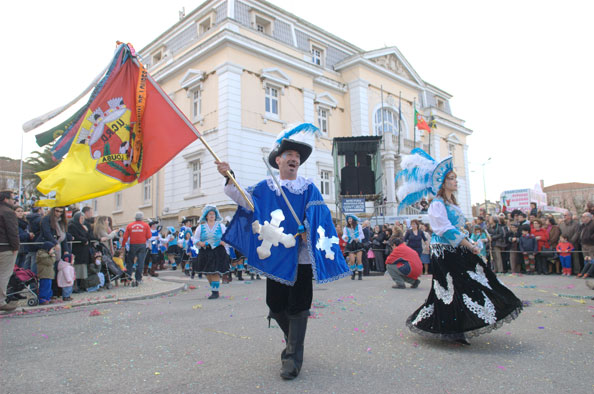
x,y
466,298
187,246
153,246
353,235
172,247
288,237
213,260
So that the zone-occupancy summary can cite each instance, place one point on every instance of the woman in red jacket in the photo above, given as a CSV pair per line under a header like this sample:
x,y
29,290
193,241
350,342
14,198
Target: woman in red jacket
x,y
542,238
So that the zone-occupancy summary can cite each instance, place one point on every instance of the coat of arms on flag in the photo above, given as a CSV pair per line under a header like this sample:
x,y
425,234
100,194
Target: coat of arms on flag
x,y
122,136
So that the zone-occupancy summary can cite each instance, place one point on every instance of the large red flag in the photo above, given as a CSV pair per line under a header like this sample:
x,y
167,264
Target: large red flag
x,y
112,150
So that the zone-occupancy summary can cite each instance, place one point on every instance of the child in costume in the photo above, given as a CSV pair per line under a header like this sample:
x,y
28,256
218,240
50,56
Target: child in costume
x,y
564,249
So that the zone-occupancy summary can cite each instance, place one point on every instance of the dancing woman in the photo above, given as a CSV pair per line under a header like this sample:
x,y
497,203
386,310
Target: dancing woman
x,y
353,235
466,298
213,260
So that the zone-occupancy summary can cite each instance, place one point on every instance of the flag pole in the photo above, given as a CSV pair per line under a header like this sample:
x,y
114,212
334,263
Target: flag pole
x,y
415,128
399,117
198,134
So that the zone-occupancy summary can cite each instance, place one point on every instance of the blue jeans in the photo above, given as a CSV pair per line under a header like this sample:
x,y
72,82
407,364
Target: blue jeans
x,y
66,292
31,262
45,290
138,251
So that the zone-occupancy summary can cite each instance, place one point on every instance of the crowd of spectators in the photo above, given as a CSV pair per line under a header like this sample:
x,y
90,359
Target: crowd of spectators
x,y
511,242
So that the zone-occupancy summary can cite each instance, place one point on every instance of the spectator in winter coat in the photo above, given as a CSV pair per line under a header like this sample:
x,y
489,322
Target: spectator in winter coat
x,y
554,234
542,239
66,276
46,257
404,264
9,237
528,247
570,229
24,235
414,237
587,240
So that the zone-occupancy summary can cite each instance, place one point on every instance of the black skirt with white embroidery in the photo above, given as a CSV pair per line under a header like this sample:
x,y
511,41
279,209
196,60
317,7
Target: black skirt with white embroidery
x,y
466,298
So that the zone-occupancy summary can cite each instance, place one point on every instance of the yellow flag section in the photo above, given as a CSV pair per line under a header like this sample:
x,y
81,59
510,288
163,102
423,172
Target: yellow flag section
x,y
100,160
94,170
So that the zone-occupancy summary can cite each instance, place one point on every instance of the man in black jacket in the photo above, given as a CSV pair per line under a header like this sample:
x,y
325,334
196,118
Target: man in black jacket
x,y
9,245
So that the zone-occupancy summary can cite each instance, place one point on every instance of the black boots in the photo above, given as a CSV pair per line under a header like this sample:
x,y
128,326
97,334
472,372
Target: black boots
x,y
239,275
292,359
353,276
214,295
360,275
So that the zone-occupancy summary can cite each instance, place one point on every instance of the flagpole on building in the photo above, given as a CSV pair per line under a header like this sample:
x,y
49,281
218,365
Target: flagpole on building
x,y
415,128
383,123
198,134
399,118
21,173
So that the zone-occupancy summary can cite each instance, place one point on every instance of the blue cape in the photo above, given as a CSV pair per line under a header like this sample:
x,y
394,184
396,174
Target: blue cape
x,y
281,266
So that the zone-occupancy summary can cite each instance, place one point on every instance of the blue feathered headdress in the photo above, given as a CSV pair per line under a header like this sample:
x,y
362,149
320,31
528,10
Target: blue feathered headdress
x,y
207,209
286,141
422,176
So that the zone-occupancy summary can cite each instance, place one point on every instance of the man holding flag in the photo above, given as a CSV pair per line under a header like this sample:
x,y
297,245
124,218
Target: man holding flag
x,y
289,237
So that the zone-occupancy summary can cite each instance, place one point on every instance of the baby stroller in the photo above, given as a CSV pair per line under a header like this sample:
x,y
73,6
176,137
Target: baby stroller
x,y
109,268
23,284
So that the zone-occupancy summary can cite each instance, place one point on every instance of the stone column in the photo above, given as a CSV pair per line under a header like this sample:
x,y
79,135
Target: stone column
x,y
359,107
388,161
228,137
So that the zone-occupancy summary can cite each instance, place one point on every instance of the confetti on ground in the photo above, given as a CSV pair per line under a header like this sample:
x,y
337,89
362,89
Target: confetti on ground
x,y
197,306
575,332
541,328
501,367
95,312
157,373
199,362
192,287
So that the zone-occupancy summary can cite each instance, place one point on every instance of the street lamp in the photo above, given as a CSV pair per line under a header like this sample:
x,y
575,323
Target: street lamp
x,y
485,184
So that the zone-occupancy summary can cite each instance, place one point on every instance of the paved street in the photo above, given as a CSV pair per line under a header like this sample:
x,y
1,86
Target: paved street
x,y
356,343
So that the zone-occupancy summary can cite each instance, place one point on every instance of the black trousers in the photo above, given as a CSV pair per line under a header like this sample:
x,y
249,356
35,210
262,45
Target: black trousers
x,y
291,299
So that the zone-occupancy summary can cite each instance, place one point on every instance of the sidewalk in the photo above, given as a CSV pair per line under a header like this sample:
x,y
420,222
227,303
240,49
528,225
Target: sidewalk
x,y
150,287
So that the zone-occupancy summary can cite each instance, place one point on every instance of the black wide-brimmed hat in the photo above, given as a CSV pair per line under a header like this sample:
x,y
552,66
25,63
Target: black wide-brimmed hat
x,y
285,143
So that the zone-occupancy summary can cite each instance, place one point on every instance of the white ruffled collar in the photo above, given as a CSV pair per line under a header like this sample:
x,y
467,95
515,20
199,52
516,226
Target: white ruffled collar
x,y
295,186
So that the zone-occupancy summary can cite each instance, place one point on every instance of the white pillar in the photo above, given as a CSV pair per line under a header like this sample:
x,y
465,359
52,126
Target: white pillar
x,y
229,115
359,107
309,169
388,160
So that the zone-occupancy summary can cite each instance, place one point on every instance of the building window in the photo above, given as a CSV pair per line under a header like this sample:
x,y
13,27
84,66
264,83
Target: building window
x,y
157,56
323,119
440,103
452,152
196,103
195,178
326,183
147,190
204,26
95,205
386,122
271,101
263,25
118,201
317,55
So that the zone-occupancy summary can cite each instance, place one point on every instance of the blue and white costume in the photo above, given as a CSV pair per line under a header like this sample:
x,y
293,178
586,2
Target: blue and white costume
x,y
466,297
309,205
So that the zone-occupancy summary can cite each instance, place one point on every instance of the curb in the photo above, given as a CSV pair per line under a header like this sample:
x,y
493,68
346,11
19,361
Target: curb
x,y
95,302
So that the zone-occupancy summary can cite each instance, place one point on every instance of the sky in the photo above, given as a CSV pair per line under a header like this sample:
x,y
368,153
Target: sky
x,y
521,72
